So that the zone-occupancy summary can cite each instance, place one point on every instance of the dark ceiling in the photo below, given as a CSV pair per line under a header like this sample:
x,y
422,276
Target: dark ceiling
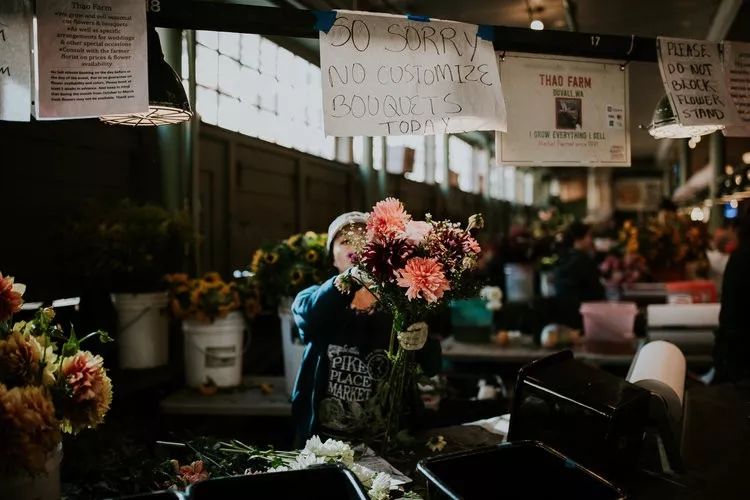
x,y
678,18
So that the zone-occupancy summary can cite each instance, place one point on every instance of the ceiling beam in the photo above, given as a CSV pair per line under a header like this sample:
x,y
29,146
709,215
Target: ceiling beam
x,y
242,18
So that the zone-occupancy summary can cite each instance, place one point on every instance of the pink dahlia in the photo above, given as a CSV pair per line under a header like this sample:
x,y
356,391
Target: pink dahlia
x,y
88,391
388,218
416,231
10,297
423,277
471,245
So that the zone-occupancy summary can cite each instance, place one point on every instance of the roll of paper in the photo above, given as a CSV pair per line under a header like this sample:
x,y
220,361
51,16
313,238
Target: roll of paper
x,y
660,368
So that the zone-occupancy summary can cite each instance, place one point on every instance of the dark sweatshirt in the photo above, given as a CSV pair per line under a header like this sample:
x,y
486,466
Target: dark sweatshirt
x,y
732,345
345,357
576,280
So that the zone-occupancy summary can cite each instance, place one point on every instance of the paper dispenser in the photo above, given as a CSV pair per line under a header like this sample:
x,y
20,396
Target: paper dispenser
x,y
592,416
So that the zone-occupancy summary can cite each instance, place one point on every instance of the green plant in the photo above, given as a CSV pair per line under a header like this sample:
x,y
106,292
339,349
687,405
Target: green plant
x,y
129,247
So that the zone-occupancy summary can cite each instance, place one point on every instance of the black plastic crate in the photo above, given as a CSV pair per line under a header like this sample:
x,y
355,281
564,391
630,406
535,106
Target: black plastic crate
x,y
329,482
519,470
156,495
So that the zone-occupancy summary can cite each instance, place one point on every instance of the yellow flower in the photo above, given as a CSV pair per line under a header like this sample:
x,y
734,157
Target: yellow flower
x,y
312,256
19,360
29,430
296,276
258,257
272,257
293,241
436,443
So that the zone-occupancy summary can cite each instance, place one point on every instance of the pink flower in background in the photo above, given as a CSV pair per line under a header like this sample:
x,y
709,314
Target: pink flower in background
x,y
423,278
416,231
387,218
191,474
471,245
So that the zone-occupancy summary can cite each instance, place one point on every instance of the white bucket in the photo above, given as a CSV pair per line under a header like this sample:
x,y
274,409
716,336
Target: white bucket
x,y
519,282
43,486
143,329
214,350
293,351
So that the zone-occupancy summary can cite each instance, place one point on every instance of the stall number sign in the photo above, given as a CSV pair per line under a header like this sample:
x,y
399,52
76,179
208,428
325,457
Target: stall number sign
x,y
564,112
392,75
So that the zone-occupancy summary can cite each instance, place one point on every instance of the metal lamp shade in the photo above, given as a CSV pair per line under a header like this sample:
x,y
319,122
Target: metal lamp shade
x,y
665,125
167,101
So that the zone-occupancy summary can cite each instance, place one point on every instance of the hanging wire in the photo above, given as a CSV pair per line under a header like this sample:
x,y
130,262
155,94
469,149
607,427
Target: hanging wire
x,y
627,54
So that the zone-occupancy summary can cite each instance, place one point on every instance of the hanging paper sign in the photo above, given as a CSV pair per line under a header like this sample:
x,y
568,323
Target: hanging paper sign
x,y
394,75
737,75
92,58
15,60
564,112
693,77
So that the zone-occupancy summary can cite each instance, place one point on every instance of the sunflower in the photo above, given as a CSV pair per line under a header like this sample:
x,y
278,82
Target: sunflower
x,y
293,241
272,257
296,276
258,257
312,256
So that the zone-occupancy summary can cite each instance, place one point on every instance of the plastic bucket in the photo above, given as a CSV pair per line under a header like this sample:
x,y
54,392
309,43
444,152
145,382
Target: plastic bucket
x,y
609,321
45,486
214,351
293,351
519,282
143,329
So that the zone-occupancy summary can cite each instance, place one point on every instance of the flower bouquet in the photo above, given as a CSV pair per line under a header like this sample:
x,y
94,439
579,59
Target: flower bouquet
x,y
234,458
48,385
409,269
213,329
282,269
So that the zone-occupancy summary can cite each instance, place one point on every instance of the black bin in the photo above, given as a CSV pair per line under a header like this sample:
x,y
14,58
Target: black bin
x,y
519,470
156,495
329,482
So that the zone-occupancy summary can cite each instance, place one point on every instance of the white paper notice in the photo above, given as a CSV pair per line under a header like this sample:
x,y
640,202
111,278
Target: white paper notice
x,y
693,77
564,112
737,74
15,60
389,75
92,58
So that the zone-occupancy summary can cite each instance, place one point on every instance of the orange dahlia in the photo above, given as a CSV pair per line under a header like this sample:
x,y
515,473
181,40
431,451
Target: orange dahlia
x,y
388,218
11,297
19,360
29,430
88,391
423,278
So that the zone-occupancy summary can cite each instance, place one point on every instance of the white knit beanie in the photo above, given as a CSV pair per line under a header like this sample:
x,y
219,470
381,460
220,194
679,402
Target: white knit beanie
x,y
341,222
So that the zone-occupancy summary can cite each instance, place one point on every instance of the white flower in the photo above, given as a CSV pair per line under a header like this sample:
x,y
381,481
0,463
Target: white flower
x,y
342,283
381,487
305,460
365,475
494,297
280,468
331,448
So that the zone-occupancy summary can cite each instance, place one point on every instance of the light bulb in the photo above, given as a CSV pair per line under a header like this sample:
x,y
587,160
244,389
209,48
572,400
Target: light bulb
x,y
746,157
733,204
536,25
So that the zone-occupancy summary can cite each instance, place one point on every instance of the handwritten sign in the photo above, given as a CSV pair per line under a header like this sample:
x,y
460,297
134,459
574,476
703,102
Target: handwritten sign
x,y
390,75
693,77
737,75
564,112
92,58
15,60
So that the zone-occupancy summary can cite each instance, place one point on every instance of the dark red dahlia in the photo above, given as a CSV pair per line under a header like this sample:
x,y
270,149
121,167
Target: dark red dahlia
x,y
382,258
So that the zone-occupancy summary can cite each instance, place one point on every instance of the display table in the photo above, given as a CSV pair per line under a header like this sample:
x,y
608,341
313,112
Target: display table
x,y
603,355
247,400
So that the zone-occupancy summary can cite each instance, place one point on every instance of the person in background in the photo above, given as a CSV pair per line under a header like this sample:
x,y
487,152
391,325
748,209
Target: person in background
x,y
732,339
577,276
345,355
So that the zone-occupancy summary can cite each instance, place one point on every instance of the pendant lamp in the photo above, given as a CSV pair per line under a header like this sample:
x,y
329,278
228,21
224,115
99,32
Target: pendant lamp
x,y
665,125
167,101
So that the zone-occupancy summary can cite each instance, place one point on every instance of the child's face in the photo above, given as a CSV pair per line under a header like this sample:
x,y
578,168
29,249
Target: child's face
x,y
342,251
